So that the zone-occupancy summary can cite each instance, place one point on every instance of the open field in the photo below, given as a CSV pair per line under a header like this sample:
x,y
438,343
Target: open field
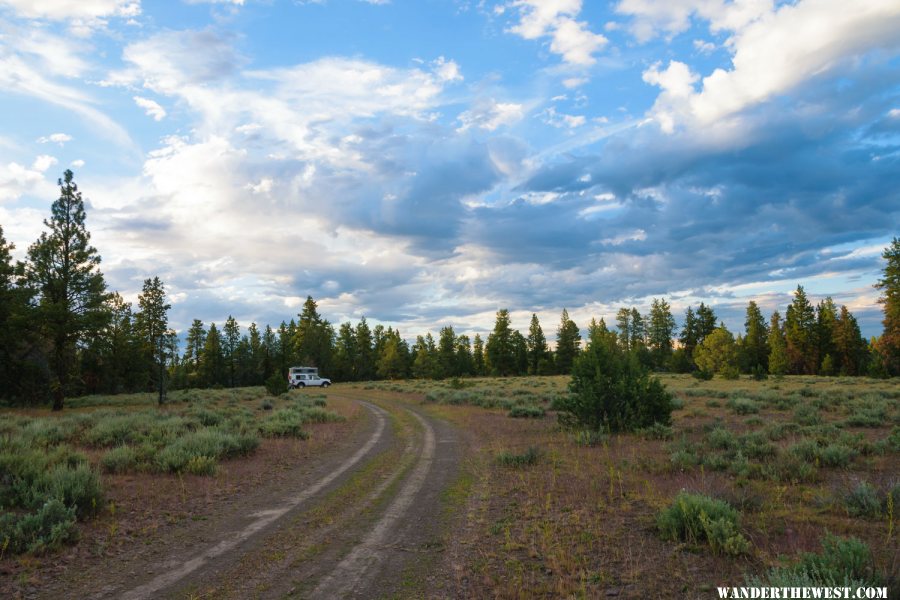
x,y
374,504
554,513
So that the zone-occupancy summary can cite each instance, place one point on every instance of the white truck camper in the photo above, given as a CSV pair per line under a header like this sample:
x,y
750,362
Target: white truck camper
x,y
299,377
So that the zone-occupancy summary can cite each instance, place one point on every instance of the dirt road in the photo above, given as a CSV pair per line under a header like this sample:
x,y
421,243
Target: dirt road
x,y
364,521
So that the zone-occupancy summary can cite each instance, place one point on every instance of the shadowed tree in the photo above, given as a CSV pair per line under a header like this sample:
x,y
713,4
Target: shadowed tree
x,y
499,349
478,365
151,325
568,341
800,335
193,352
537,346
314,339
446,353
755,345
63,268
889,343
16,341
778,358
660,332
231,337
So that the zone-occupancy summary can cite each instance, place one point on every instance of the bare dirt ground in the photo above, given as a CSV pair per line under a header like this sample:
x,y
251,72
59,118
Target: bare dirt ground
x,y
361,517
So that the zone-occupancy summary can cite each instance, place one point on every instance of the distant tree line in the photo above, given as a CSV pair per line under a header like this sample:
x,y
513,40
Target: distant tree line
x,y
62,333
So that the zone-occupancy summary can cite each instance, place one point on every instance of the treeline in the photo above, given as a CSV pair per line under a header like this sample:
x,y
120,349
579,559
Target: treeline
x,y
62,333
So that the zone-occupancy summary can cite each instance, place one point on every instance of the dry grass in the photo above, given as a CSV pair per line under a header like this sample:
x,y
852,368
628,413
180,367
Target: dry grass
x,y
581,522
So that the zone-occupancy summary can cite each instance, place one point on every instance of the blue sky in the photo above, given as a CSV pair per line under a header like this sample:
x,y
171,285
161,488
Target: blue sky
x,y
424,163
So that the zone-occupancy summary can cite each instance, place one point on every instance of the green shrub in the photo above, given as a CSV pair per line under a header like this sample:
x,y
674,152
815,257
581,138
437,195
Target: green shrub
x,y
806,414
527,458
284,423
657,431
611,390
842,563
38,533
696,518
743,406
862,501
77,488
837,455
702,375
119,460
721,439
317,414
276,385
527,411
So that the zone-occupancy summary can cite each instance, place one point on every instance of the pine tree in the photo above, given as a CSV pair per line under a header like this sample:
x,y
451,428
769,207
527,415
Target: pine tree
x,y
706,322
568,340
478,356
499,349
623,323
365,352
755,345
537,345
778,358
193,352
212,363
16,340
660,332
799,334
391,362
464,363
446,353
344,359
520,348
824,331
850,347
231,336
314,339
689,336
717,353
638,330
152,325
888,346
64,270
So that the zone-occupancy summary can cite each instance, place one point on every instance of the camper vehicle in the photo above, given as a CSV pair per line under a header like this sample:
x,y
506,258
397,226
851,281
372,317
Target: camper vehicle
x,y
306,376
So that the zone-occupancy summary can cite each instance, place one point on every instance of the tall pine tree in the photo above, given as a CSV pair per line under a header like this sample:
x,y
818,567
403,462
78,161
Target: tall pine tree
x,y
64,269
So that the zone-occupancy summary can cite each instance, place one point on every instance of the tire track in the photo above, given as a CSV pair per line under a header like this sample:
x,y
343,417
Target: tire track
x,y
350,576
262,519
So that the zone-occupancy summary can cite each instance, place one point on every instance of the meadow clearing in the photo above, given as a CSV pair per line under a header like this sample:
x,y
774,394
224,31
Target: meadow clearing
x,y
754,481
550,512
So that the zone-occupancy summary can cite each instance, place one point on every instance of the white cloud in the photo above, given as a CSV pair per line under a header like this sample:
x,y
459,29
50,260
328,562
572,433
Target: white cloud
x,y
561,120
151,107
638,235
56,138
77,164
446,70
772,55
62,10
671,17
490,114
17,180
571,39
704,47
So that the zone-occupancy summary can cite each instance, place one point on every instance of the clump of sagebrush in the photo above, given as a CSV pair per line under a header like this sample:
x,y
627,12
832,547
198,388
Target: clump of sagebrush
x,y
527,411
842,563
612,390
696,518
510,459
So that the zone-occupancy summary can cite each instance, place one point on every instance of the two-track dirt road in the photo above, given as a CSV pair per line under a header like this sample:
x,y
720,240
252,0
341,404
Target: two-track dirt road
x,y
363,520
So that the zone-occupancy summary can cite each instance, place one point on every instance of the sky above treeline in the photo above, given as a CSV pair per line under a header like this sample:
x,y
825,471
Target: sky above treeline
x,y
426,162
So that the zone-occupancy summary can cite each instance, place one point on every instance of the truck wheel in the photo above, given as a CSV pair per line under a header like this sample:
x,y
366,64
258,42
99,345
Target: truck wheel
x,y
301,384
326,384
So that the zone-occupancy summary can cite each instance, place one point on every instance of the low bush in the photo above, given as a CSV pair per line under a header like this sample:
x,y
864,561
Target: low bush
x,y
842,563
695,518
590,437
119,460
743,406
38,533
657,431
527,411
862,501
527,458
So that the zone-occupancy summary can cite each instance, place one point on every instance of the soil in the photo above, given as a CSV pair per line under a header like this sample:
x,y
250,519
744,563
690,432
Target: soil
x,y
354,512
